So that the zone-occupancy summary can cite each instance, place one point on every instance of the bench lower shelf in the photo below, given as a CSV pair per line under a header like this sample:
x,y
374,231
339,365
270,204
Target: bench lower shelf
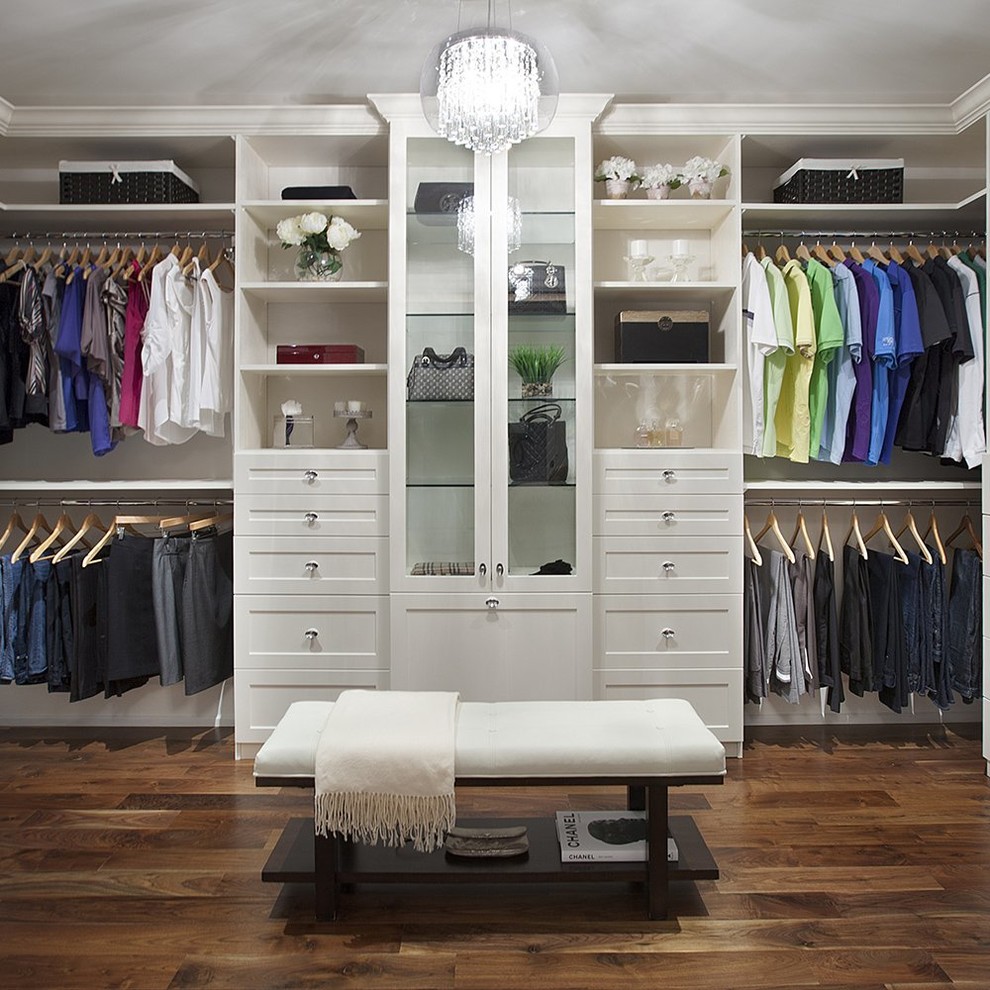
x,y
292,859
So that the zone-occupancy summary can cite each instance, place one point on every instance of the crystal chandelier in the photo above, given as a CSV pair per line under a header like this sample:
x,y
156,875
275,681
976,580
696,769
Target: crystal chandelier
x,y
489,89
466,225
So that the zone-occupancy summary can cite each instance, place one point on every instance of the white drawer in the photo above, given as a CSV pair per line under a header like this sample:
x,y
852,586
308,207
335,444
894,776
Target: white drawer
x,y
298,565
314,632
262,697
662,514
668,631
297,472
668,565
715,693
311,515
692,472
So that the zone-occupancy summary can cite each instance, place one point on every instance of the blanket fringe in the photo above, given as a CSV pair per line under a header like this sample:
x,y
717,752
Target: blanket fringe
x,y
391,819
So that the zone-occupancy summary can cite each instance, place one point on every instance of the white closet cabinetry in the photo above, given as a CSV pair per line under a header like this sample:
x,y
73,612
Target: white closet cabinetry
x,y
311,525
667,519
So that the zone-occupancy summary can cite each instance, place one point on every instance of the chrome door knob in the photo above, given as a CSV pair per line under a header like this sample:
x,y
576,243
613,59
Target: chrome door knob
x,y
667,633
311,517
492,603
310,476
312,566
667,516
668,475
482,569
499,570
668,566
311,634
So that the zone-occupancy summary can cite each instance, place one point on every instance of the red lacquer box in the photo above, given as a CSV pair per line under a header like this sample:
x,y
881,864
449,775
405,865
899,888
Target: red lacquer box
x,y
319,354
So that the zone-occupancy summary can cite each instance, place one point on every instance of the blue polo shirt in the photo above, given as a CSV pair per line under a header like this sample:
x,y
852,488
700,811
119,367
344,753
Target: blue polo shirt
x,y
884,360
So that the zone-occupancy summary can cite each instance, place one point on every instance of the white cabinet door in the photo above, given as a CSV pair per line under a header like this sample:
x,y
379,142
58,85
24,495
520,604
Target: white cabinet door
x,y
527,647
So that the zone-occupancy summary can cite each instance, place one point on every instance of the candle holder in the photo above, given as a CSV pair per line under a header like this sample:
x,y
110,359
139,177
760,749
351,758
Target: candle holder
x,y
352,416
638,263
679,263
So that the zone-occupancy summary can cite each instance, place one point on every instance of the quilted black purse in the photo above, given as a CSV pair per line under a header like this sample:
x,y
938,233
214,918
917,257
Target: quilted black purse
x,y
538,447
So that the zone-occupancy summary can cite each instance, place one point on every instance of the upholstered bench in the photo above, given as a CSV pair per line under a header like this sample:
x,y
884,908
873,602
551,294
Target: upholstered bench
x,y
645,746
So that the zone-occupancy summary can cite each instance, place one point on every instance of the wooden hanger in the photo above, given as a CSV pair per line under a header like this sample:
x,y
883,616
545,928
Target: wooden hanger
x,y
914,254
101,260
911,527
801,530
92,521
222,258
43,258
823,256
883,525
782,255
38,525
745,249
201,259
170,524
156,255
13,523
855,531
8,273
825,538
877,254
856,254
894,254
219,519
965,526
754,550
836,252
933,532
116,525
802,253
761,251
63,523
773,526
13,254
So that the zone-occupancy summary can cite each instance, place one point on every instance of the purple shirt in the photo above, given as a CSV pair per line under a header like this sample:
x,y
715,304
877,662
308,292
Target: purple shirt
x,y
858,427
68,347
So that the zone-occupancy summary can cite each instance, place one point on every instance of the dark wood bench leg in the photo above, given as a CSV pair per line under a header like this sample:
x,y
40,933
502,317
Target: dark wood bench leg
x,y
636,798
325,881
656,851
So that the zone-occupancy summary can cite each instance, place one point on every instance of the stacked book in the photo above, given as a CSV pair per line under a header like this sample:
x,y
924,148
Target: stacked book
x,y
605,836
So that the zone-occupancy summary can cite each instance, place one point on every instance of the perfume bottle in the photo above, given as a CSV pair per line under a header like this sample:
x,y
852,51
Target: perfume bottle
x,y
674,432
642,435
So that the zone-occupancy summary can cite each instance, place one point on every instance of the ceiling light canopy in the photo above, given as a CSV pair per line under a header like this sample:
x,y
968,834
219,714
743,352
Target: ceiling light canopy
x,y
489,89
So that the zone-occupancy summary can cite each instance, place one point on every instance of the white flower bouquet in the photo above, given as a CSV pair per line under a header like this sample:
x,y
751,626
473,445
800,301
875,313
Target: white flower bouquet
x,y
320,239
700,169
617,168
655,176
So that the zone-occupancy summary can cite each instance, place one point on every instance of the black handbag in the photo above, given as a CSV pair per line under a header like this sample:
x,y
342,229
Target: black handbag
x,y
441,377
437,202
537,288
538,447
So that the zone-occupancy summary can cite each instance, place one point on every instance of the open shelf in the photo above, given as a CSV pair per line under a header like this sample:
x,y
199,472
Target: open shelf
x,y
314,370
665,369
660,214
670,291
168,217
317,291
364,214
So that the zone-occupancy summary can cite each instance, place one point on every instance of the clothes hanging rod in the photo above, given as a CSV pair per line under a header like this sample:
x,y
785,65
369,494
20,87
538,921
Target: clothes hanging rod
x,y
942,234
858,502
109,235
117,502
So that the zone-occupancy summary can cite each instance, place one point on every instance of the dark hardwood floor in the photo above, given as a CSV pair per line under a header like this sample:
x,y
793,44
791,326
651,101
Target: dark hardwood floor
x,y
849,858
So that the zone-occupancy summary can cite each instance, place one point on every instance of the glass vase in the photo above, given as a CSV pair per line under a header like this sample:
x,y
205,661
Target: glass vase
x,y
314,265
537,390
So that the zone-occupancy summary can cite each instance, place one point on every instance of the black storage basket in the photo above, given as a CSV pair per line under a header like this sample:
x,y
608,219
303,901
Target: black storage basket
x,y
109,183
846,183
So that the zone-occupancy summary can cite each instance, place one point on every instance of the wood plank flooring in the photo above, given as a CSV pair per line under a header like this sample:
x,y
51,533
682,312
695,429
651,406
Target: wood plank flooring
x,y
850,857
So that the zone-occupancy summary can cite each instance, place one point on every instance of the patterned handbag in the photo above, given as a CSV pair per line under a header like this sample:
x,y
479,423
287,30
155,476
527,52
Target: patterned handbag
x,y
441,377
537,288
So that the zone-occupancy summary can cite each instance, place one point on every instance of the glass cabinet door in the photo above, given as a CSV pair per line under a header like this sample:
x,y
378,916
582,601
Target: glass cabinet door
x,y
535,362
445,362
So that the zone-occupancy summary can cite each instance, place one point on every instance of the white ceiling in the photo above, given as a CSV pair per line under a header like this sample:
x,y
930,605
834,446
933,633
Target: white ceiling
x,y
268,52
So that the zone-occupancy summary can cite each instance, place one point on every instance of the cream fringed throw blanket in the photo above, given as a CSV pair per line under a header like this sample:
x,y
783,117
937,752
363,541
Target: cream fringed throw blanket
x,y
385,768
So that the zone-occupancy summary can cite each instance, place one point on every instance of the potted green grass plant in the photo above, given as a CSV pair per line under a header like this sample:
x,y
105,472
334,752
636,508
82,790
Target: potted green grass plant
x,y
536,367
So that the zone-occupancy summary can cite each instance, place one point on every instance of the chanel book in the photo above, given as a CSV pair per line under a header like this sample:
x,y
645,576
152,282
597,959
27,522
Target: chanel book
x,y
605,836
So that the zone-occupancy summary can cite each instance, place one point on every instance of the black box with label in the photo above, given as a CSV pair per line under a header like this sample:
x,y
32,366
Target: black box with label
x,y
661,337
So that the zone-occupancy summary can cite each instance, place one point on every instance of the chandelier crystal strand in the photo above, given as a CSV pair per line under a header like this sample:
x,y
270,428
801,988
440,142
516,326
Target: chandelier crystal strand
x,y
467,225
488,91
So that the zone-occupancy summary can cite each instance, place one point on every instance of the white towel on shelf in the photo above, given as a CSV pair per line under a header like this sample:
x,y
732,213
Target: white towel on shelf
x,y
385,768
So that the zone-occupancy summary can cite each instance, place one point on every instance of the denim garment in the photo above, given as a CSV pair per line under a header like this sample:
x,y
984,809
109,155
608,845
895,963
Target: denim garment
x,y
918,644
827,631
9,579
31,648
936,603
783,651
856,623
965,624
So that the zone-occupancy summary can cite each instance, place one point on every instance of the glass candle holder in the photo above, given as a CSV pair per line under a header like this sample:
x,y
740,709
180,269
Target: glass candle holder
x,y
294,431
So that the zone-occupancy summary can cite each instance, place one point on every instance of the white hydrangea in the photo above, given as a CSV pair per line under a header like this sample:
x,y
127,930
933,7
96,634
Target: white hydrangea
x,y
703,169
312,223
290,232
617,167
658,175
340,233
291,408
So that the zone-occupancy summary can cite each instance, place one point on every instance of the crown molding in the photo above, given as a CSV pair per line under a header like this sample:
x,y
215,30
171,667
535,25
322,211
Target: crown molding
x,y
206,121
778,118
968,108
6,113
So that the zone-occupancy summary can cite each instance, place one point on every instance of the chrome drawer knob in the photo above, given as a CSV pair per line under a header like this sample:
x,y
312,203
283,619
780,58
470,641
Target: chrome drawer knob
x,y
499,570
310,476
668,475
482,569
667,633
492,603
668,566
312,566
667,516
311,517
311,634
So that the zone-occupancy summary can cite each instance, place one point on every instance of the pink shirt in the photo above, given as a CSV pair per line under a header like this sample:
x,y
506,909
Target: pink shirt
x,y
130,384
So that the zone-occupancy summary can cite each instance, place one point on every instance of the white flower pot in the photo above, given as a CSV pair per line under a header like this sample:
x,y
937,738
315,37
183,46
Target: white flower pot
x,y
658,192
700,189
617,188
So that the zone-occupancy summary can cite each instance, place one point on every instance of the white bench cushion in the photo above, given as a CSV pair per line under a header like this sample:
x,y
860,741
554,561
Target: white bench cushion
x,y
659,738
